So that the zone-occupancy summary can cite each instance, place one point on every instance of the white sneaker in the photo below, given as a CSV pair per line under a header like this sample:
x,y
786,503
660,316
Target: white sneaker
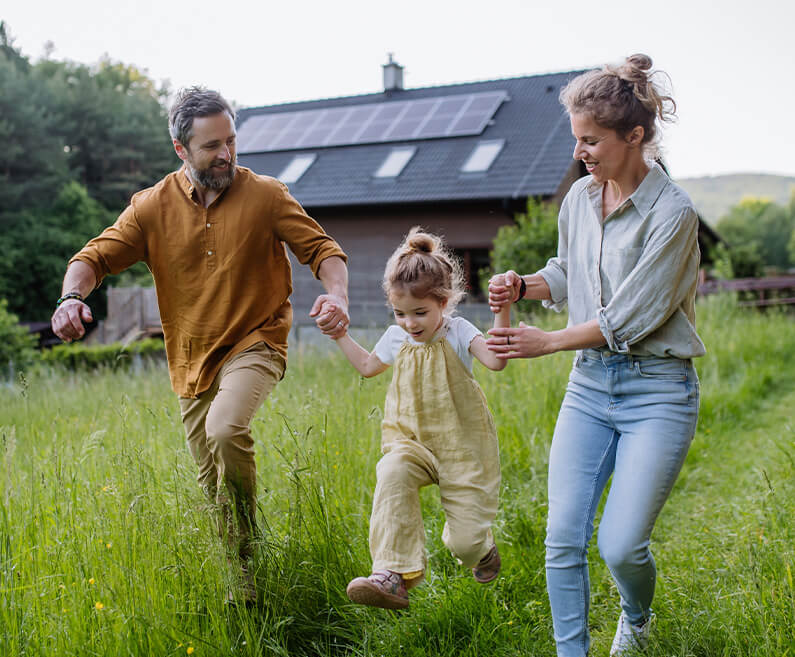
x,y
630,638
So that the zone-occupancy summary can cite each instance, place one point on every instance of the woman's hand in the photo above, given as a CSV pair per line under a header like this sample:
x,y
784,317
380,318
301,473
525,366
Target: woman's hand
x,y
522,342
530,341
503,290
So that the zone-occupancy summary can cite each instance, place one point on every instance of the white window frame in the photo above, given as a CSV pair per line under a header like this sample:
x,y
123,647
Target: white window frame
x,y
297,167
395,162
483,155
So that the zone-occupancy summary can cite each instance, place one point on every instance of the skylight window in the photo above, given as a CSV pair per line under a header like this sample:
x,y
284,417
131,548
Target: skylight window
x,y
395,162
297,168
483,156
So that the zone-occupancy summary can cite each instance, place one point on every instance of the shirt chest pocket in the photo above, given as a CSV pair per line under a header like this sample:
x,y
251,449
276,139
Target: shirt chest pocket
x,y
618,263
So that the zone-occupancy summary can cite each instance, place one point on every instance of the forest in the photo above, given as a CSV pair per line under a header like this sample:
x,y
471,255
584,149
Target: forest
x,y
78,142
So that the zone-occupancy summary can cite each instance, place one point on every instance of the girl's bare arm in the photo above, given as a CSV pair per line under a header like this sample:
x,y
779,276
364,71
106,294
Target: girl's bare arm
x,y
365,363
480,349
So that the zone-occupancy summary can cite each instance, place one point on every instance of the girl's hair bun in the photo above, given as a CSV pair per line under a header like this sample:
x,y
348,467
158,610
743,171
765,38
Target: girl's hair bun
x,y
424,266
421,242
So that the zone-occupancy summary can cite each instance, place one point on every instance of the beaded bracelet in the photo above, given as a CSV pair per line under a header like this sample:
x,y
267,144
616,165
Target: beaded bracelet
x,y
522,289
69,295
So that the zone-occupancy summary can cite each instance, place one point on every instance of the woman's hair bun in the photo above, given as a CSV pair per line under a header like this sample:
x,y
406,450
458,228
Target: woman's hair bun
x,y
622,96
640,61
634,71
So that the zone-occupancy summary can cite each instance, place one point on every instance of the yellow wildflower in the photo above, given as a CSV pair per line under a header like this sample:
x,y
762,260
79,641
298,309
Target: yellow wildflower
x,y
189,650
91,581
99,606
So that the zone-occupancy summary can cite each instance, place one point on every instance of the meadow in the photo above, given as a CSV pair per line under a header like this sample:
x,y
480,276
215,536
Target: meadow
x,y
107,546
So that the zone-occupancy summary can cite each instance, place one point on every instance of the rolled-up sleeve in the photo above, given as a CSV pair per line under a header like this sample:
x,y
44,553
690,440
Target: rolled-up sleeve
x,y
305,237
657,285
115,249
555,272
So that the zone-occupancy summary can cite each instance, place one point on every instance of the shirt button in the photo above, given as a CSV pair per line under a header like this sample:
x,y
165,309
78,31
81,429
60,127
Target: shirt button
x,y
209,252
208,225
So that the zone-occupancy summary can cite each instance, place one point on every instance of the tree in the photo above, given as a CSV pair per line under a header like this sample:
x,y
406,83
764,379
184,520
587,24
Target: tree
x,y
32,160
37,247
77,142
7,50
762,223
113,122
526,245
743,261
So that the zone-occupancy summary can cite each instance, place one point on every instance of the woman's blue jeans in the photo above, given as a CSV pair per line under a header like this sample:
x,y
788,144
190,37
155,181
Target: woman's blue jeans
x,y
634,418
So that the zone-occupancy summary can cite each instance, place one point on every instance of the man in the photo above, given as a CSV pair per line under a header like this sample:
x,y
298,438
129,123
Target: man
x,y
213,236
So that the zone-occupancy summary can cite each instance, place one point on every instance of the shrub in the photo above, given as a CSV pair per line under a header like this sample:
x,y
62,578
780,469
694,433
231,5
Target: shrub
x,y
81,356
16,344
526,245
742,261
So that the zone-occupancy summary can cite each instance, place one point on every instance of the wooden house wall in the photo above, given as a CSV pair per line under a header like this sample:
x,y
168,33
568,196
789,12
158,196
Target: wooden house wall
x,y
370,235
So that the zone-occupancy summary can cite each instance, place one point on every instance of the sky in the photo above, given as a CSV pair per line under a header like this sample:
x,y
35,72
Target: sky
x,y
731,63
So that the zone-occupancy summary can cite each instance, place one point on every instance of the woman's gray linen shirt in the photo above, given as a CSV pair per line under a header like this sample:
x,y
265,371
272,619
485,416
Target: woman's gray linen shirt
x,y
636,272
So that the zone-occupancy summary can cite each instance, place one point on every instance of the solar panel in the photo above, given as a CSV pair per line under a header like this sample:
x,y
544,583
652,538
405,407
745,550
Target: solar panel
x,y
424,118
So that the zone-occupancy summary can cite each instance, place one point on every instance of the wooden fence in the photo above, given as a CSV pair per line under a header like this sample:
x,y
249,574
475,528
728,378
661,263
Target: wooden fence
x,y
759,292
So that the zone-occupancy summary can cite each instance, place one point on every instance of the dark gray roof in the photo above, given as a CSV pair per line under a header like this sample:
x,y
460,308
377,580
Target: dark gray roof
x,y
533,162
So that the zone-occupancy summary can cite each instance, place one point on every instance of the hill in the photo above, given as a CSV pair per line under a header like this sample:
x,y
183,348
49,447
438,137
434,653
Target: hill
x,y
714,195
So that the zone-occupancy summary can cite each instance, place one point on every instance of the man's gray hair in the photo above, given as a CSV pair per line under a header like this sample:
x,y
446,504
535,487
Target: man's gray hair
x,y
190,103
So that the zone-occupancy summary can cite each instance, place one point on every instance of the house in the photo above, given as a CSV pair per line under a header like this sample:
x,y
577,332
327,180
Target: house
x,y
459,160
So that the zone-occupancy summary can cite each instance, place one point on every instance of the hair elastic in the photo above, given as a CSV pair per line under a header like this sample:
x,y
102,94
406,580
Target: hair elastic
x,y
522,289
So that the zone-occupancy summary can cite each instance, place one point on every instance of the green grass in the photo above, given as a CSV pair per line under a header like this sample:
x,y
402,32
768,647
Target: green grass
x,y
98,504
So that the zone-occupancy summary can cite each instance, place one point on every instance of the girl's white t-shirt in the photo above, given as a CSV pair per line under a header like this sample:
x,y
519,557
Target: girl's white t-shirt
x,y
458,331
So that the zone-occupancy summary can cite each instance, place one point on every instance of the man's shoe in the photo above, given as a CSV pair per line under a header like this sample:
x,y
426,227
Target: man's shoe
x,y
384,589
488,567
630,638
245,593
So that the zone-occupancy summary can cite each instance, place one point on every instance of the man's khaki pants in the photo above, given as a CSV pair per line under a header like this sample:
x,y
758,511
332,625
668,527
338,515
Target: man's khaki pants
x,y
219,438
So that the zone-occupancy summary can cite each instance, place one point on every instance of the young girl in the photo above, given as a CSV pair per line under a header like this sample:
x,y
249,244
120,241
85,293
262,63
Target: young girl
x,y
437,428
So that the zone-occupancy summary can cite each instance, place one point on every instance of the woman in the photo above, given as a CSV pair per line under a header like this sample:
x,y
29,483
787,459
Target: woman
x,y
627,267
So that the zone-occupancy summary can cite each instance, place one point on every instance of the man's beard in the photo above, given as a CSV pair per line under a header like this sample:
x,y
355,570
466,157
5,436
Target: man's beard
x,y
209,179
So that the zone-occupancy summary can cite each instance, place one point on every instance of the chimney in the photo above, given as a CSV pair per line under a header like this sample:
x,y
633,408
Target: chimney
x,y
393,75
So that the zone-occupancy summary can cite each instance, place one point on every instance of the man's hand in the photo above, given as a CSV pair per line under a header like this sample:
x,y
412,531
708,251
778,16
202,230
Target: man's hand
x,y
331,315
67,320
